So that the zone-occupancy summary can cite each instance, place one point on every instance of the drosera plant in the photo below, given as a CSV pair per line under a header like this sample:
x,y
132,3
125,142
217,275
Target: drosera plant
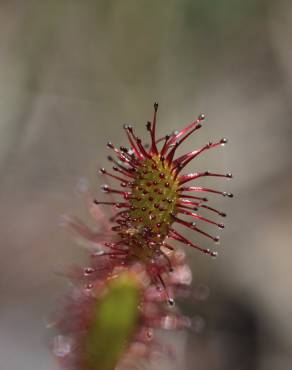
x,y
108,321
134,274
157,194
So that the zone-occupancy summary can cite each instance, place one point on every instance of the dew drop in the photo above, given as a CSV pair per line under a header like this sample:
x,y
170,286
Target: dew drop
x,y
88,271
148,126
225,194
213,254
149,333
171,302
223,141
201,117
104,188
110,145
124,149
88,286
61,346
217,240
169,322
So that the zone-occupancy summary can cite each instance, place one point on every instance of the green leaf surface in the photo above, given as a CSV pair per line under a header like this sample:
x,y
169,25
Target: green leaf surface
x,y
114,321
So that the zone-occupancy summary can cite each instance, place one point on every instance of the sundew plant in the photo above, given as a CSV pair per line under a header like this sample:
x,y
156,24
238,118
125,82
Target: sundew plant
x,y
136,268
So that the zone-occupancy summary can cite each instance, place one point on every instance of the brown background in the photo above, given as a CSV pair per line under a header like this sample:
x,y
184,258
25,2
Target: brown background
x,y
71,73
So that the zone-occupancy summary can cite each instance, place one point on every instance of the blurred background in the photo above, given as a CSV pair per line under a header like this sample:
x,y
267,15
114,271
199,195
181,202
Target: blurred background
x,y
71,73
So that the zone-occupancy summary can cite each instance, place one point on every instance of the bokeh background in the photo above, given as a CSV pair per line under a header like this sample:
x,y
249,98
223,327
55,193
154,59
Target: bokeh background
x,y
71,73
